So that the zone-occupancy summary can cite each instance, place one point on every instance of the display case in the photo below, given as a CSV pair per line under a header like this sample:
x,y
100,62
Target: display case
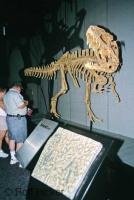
x,y
72,164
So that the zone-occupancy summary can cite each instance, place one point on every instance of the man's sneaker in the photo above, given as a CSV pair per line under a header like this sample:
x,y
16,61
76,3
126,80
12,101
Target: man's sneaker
x,y
3,154
13,161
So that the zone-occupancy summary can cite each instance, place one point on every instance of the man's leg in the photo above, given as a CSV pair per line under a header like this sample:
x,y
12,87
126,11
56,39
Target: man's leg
x,y
12,152
19,145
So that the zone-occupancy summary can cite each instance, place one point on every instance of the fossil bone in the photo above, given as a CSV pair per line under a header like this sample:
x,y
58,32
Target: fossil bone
x,y
96,66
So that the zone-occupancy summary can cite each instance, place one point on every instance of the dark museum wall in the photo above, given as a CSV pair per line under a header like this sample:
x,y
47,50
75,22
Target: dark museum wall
x,y
60,27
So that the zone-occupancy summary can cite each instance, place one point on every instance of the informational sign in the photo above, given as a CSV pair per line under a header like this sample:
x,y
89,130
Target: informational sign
x,y
35,141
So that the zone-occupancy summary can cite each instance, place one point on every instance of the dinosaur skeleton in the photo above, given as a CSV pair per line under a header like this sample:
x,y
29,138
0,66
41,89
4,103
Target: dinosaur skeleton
x,y
96,66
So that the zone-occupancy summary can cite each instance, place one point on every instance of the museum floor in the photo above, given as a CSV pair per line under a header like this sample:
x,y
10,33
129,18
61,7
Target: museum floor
x,y
14,182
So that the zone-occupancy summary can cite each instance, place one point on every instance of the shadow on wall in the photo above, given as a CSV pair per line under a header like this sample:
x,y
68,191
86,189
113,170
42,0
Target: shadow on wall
x,y
62,38
47,44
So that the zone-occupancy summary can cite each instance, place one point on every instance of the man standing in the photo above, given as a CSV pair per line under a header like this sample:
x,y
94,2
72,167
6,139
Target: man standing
x,y
16,108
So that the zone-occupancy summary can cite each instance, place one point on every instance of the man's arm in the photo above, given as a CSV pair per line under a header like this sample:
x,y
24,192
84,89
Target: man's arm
x,y
25,103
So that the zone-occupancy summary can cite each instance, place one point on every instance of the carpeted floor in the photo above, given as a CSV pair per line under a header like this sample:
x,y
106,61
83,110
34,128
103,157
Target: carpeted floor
x,y
13,181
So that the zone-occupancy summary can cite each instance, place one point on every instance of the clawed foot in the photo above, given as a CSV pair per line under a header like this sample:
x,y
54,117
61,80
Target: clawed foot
x,y
53,109
55,114
93,118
